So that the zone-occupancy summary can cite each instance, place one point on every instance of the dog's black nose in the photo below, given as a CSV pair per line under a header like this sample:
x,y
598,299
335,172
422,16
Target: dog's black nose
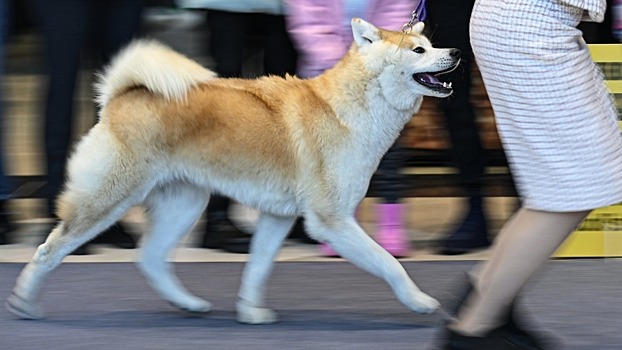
x,y
454,53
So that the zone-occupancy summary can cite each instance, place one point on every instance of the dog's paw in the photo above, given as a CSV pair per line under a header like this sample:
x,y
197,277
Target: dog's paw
x,y
254,315
20,307
194,306
423,303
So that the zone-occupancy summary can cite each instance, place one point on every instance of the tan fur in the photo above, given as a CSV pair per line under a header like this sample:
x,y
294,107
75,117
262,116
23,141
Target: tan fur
x,y
170,134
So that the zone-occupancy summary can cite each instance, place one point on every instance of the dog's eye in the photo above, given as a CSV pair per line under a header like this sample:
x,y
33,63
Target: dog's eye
x,y
419,49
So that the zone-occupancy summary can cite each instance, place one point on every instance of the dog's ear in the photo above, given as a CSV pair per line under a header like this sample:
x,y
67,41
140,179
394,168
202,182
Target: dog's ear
x,y
364,33
418,28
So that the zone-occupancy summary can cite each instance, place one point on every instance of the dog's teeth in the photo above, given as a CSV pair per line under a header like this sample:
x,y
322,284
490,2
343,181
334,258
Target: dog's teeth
x,y
449,85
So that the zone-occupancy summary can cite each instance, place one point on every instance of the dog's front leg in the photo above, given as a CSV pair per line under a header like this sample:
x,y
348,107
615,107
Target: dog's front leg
x,y
267,240
352,243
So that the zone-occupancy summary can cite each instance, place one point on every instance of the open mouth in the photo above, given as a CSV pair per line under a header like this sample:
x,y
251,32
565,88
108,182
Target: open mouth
x,y
431,81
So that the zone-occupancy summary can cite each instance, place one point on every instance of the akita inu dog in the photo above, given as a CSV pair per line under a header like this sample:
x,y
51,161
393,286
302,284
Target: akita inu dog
x,y
171,133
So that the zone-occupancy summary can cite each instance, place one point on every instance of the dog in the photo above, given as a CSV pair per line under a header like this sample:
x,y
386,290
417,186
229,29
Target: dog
x,y
170,133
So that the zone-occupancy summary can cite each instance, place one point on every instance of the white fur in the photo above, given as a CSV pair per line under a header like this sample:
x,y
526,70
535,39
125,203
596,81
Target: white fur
x,y
176,74
173,210
373,96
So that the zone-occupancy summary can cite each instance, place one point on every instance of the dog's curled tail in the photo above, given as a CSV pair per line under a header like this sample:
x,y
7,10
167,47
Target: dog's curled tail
x,y
153,65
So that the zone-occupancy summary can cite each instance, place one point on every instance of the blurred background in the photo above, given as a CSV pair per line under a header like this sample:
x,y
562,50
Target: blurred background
x,y
430,179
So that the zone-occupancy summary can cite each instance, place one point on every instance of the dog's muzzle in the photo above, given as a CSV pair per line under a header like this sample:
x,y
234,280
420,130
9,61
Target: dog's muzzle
x,y
430,80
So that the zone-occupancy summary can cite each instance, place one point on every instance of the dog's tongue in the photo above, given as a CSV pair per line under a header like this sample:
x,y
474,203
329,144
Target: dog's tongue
x,y
428,78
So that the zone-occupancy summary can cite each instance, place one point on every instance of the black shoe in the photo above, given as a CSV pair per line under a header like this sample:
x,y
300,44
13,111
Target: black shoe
x,y
471,235
502,338
223,234
82,250
511,330
117,236
6,227
298,233
3,236
4,233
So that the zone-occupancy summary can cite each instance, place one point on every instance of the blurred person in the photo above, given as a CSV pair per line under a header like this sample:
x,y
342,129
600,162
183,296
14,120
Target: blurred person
x,y
603,32
231,25
614,9
5,185
558,125
448,26
322,34
71,28
165,15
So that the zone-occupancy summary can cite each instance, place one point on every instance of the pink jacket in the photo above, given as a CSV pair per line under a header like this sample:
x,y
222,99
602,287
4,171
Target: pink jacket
x,y
317,29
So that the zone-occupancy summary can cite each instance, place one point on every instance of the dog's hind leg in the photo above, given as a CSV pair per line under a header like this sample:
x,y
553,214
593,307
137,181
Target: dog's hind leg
x,y
104,181
68,235
352,243
173,210
266,243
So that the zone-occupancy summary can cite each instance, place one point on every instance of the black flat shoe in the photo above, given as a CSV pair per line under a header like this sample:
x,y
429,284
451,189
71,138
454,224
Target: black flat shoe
x,y
471,235
6,227
117,236
82,250
298,233
510,333
503,338
223,234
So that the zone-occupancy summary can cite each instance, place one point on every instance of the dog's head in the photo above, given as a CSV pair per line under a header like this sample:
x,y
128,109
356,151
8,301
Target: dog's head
x,y
406,64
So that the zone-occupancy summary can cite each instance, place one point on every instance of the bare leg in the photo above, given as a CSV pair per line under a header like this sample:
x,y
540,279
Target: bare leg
x,y
524,245
173,211
267,240
353,244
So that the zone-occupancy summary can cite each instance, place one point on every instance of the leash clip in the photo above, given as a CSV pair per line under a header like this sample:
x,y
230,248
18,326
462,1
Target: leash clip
x,y
408,26
414,18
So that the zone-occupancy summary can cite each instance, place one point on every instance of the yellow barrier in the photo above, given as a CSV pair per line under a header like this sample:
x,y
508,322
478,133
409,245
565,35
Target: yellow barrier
x,y
600,235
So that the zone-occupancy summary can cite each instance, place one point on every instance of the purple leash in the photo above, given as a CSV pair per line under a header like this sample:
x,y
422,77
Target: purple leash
x,y
417,15
420,11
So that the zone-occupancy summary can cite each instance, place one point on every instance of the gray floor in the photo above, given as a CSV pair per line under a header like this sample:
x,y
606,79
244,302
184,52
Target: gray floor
x,y
323,305
100,301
